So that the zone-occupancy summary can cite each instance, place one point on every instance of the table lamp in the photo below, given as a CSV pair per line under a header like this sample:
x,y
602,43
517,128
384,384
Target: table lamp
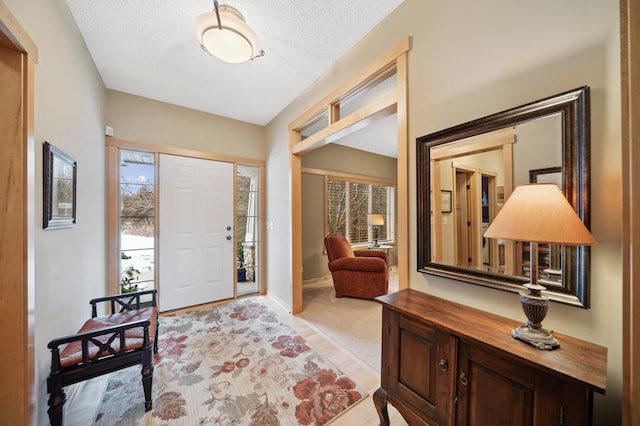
x,y
375,220
538,213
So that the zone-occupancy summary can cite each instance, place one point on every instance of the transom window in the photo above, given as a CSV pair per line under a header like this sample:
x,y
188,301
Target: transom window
x,y
349,204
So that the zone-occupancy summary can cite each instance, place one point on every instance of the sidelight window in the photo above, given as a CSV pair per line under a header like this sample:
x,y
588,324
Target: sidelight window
x,y
247,228
136,220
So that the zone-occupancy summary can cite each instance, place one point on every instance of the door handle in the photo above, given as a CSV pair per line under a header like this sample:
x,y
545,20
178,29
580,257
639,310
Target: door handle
x,y
463,379
443,365
228,228
229,237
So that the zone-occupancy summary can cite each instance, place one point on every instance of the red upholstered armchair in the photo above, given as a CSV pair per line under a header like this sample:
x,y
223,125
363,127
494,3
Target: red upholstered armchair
x,y
360,273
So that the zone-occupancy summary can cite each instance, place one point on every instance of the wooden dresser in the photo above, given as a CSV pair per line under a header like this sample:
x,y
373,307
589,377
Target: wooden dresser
x,y
448,364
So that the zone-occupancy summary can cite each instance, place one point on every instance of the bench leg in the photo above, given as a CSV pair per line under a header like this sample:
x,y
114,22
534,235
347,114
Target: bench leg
x,y
155,339
56,404
147,379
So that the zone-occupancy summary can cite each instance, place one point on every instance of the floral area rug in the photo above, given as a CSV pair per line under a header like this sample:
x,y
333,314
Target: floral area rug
x,y
233,364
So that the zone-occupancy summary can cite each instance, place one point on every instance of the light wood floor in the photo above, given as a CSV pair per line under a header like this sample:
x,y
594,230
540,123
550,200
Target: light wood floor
x,y
352,365
84,398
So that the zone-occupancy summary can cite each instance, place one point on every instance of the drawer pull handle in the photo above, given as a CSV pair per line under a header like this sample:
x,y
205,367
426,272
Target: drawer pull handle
x,y
443,365
463,379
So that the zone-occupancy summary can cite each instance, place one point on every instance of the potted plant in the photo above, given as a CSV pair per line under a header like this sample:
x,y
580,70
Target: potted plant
x,y
242,272
127,279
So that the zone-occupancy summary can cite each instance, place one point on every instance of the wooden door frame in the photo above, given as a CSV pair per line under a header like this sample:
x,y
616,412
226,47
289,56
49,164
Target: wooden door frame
x,y
113,204
396,102
630,78
473,215
18,393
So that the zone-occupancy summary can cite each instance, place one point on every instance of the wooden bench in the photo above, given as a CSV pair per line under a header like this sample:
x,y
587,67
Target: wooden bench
x,y
105,344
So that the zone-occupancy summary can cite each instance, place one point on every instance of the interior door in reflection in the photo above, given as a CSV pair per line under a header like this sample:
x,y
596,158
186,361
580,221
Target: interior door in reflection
x,y
464,255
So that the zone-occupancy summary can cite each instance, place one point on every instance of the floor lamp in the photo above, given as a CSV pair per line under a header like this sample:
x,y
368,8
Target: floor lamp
x,y
538,213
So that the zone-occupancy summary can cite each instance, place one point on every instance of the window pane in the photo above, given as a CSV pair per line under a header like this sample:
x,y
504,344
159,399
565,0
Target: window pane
x,y
379,206
350,203
136,255
247,218
358,208
320,123
137,217
337,199
370,94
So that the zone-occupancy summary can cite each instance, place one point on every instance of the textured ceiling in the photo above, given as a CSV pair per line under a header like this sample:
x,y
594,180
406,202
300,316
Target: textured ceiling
x,y
148,48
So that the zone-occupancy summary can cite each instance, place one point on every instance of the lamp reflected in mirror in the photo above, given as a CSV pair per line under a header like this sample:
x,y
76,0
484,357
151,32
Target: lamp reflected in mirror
x,y
538,213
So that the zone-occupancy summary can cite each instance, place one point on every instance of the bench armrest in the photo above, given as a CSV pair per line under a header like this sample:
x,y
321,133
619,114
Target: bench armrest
x,y
123,302
104,348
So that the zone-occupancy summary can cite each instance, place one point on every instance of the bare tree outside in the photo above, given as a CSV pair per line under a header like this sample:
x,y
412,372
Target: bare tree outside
x,y
137,220
349,204
137,213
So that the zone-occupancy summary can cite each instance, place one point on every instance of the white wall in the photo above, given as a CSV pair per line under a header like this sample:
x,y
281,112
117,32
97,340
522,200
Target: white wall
x,y
469,60
69,110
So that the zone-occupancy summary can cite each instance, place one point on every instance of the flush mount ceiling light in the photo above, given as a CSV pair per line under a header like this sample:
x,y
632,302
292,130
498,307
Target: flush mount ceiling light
x,y
224,34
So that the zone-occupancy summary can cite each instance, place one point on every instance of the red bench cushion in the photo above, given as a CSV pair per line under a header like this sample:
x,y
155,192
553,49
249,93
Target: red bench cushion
x,y
134,337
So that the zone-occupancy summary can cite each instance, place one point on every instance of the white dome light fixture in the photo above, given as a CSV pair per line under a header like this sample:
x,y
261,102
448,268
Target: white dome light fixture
x,y
224,34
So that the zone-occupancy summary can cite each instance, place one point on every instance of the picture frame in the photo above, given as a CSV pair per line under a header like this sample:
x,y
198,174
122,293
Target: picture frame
x,y
550,175
445,201
546,175
59,188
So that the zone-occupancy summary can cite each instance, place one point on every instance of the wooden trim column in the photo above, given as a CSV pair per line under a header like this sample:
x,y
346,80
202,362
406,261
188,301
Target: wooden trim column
x,y
402,73
630,77
393,61
18,54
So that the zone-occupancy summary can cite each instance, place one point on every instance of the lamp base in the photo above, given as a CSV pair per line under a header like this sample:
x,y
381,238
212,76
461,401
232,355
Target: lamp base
x,y
535,306
537,337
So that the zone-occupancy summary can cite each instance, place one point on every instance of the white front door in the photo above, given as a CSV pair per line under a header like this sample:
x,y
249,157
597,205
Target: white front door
x,y
197,253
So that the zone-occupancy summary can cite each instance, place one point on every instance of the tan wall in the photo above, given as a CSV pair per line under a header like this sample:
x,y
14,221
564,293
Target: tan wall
x,y
139,119
468,60
338,159
472,59
71,104
314,260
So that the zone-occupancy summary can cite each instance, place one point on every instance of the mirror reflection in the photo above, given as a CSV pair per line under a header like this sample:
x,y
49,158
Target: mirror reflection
x,y
472,174
470,170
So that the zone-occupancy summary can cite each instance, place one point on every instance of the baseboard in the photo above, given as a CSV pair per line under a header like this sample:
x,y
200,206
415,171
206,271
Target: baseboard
x,y
284,305
316,280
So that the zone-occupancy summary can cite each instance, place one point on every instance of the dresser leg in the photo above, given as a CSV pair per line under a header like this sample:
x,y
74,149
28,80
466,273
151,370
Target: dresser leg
x,y
380,401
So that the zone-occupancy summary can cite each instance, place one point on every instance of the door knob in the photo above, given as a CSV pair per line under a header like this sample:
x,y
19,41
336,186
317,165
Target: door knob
x,y
228,228
229,237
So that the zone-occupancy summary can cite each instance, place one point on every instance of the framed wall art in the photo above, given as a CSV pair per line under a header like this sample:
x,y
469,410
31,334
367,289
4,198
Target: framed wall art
x,y
546,175
59,188
445,201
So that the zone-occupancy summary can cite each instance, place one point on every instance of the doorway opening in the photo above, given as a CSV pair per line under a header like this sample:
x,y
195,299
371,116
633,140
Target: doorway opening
x,y
393,62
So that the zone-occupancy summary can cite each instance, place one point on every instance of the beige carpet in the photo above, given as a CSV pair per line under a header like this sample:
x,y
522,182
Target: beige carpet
x,y
353,324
